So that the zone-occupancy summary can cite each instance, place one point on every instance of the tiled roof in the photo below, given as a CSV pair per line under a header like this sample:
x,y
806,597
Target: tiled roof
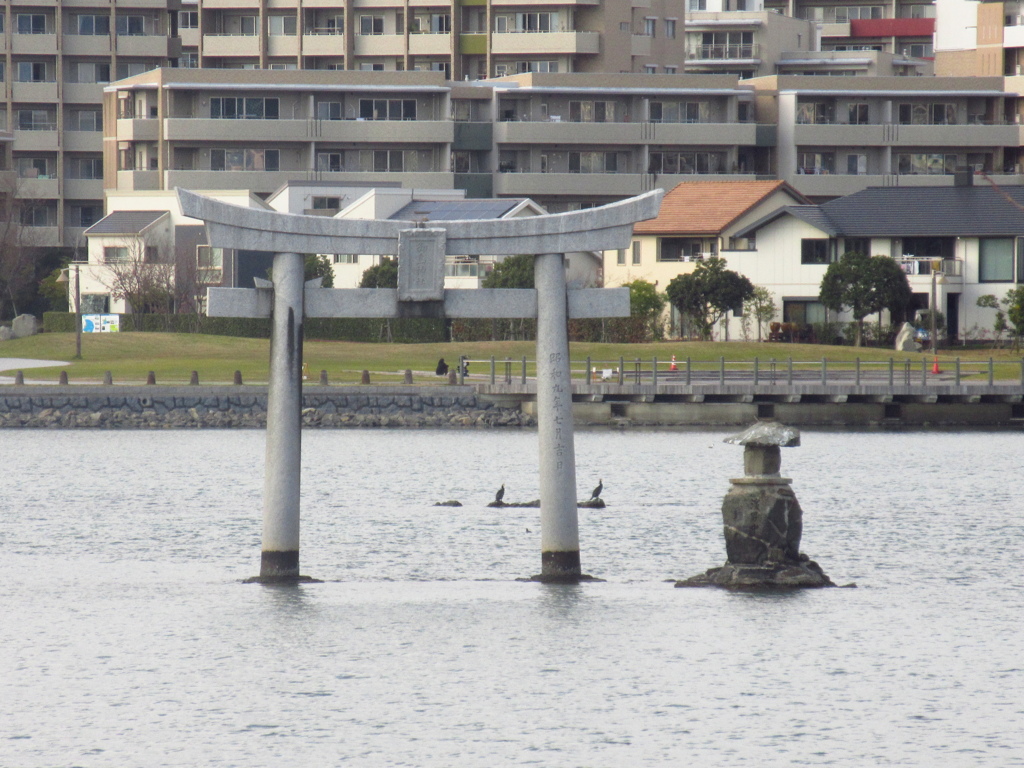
x,y
708,207
456,210
978,211
124,222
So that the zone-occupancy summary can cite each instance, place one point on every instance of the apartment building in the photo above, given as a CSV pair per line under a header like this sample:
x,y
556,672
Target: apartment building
x,y
839,135
893,26
563,140
55,59
471,39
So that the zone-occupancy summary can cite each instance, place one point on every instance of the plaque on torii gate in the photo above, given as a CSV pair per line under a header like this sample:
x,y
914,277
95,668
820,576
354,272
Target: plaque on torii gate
x,y
421,293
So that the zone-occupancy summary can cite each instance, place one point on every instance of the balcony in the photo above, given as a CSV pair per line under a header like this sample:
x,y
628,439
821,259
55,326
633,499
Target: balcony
x,y
205,129
1013,37
568,133
41,188
560,184
38,92
143,45
83,189
892,27
538,43
324,43
138,130
370,131
83,93
835,29
37,139
430,44
692,134
86,45
33,44
83,141
723,52
956,135
138,180
640,45
379,45
265,182
231,45
915,266
283,45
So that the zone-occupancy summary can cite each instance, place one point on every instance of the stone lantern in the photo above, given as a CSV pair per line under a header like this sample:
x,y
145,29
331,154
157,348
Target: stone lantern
x,y
762,520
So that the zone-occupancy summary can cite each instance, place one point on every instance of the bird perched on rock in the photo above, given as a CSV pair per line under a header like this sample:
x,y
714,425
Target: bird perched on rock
x,y
596,493
500,494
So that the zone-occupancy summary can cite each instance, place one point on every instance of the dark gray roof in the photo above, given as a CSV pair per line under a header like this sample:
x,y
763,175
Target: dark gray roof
x,y
976,211
456,210
125,222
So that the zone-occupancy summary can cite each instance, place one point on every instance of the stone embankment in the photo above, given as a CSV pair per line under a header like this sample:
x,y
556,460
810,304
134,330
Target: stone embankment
x,y
152,407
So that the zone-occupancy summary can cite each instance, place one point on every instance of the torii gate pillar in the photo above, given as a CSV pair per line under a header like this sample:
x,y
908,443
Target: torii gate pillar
x,y
559,521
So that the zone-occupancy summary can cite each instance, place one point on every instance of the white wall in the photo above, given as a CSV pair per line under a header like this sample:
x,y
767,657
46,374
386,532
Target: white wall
x,y
956,25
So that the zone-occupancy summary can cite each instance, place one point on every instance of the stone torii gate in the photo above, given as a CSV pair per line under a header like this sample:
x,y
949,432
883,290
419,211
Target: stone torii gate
x,y
421,255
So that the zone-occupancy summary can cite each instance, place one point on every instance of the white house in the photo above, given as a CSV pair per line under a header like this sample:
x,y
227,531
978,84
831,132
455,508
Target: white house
x,y
970,236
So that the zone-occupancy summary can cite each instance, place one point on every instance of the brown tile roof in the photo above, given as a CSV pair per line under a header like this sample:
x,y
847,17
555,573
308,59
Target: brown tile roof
x,y
708,207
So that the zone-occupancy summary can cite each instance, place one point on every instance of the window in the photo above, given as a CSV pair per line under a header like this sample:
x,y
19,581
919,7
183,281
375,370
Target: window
x,y
816,162
814,251
593,162
131,25
636,252
189,60
371,67
670,29
40,215
188,19
858,114
115,254
328,110
244,160
244,108
92,72
125,159
210,263
388,161
371,25
925,163
387,109
620,257
995,260
671,69
326,203
815,112
927,114
281,25
85,168
32,72
857,245
330,162
93,24
85,215
34,168
434,23
536,22
346,258
35,120
698,5
686,162
31,24
591,111
856,165
650,69
680,112
132,68
803,311
650,27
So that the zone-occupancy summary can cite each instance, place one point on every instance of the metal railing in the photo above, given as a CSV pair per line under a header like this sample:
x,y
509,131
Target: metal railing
x,y
624,371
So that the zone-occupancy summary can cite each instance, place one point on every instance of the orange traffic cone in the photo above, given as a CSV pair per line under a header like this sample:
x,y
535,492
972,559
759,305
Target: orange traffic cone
x,y
935,365
673,367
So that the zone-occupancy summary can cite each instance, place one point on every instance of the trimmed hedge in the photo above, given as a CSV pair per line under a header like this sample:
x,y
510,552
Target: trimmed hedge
x,y
372,330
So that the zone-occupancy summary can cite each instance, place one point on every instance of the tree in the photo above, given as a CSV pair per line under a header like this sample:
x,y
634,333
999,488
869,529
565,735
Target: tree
x,y
319,265
646,304
864,284
761,307
999,327
1014,303
20,258
708,293
511,272
383,275
139,277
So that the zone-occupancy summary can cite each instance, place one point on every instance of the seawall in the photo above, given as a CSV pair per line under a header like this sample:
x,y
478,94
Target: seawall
x,y
215,407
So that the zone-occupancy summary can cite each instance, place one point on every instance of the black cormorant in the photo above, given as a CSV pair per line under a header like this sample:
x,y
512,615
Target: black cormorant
x,y
500,494
596,493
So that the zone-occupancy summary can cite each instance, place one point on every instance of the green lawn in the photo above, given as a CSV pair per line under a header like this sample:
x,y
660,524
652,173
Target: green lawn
x,y
172,357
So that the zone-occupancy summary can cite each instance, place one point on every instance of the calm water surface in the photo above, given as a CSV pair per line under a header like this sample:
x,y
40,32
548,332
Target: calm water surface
x,y
126,638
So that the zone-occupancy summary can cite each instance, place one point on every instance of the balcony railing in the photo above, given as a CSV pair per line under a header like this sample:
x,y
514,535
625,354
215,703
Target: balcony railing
x,y
922,265
713,51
